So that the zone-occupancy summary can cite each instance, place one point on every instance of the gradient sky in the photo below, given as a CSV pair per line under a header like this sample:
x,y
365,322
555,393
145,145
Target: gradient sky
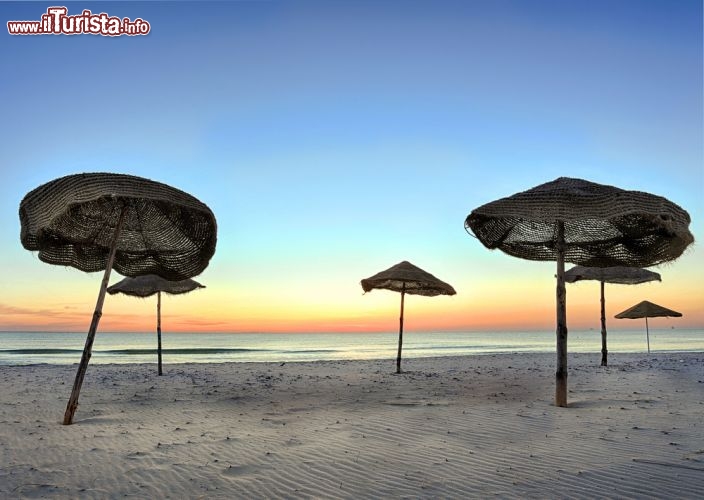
x,y
335,139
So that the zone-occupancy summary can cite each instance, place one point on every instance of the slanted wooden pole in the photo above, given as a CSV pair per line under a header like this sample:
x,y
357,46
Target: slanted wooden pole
x,y
647,334
561,295
158,327
400,331
85,358
604,351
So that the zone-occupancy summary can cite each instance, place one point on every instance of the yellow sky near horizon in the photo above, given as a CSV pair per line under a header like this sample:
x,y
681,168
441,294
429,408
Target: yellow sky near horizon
x,y
520,297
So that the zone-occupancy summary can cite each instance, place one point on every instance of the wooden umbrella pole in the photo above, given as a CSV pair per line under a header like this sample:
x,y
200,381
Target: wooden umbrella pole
x,y
647,334
561,293
158,328
604,351
73,400
400,331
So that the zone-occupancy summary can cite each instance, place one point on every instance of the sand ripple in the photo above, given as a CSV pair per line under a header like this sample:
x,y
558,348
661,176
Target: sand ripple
x,y
463,427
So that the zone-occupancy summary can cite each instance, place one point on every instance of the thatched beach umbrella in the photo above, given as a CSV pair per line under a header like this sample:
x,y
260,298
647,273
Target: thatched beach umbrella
x,y
406,278
100,221
616,274
573,220
647,310
150,284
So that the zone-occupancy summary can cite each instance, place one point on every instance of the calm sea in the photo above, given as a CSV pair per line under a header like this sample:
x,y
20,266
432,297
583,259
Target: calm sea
x,y
20,348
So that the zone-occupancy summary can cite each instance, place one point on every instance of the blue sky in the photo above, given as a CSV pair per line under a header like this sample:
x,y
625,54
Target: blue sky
x,y
334,139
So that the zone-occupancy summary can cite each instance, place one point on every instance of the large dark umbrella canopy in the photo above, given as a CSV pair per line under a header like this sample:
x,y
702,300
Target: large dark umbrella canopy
x,y
603,225
101,221
405,278
585,223
409,278
71,221
144,286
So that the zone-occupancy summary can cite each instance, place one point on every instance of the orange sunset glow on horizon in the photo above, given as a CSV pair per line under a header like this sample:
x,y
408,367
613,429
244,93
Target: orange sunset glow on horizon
x,y
498,306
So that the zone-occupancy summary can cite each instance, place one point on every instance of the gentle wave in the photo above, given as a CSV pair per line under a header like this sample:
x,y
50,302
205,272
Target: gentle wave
x,y
307,351
39,351
475,347
189,350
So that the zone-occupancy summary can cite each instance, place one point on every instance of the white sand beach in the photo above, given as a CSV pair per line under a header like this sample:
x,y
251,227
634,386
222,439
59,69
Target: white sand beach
x,y
455,427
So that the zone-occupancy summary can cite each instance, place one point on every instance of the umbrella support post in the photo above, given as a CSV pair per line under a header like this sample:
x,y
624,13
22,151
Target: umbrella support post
x,y
158,329
647,334
85,358
400,331
561,296
604,351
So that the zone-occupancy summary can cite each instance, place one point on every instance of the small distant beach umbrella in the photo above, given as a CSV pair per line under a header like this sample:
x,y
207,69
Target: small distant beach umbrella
x,y
100,221
405,278
150,284
647,310
577,221
616,274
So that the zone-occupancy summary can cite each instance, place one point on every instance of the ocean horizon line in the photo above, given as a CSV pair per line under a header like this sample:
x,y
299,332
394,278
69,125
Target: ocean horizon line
x,y
348,332
204,347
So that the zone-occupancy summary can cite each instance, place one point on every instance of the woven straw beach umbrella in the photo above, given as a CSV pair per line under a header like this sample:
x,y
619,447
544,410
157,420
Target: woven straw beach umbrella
x,y
100,221
616,274
150,284
647,310
405,278
577,221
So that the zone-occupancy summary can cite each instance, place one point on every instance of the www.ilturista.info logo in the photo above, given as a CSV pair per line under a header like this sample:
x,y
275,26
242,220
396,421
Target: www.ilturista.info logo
x,y
56,21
